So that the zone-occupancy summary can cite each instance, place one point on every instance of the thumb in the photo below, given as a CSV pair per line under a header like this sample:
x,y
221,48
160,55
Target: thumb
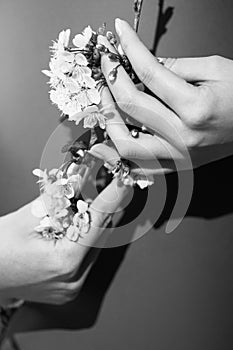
x,y
191,69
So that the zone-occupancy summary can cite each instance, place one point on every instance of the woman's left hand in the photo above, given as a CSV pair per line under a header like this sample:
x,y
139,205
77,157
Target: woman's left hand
x,y
190,115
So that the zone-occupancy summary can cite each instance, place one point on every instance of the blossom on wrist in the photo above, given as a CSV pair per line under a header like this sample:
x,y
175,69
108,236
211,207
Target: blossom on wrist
x,y
80,223
56,206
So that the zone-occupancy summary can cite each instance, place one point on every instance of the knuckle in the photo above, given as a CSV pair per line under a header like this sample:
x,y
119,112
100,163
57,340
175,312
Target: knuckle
x,y
196,118
127,102
126,149
199,113
215,62
193,140
123,150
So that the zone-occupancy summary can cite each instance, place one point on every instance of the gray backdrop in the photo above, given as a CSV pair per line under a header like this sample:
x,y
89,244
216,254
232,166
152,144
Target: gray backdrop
x,y
164,292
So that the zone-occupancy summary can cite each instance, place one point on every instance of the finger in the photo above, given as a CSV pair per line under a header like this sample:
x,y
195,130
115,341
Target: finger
x,y
142,107
109,155
101,209
173,90
108,201
145,147
147,168
106,153
193,69
114,124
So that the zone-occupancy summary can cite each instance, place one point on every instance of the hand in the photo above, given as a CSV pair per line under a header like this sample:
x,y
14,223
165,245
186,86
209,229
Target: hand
x,y
191,114
43,271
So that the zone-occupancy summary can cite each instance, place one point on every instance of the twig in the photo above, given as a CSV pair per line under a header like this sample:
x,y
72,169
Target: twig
x,y
137,13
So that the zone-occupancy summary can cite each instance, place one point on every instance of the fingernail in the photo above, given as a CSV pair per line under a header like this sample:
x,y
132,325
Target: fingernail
x,y
118,26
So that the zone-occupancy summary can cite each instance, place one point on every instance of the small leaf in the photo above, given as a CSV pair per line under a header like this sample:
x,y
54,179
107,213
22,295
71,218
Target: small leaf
x,y
47,72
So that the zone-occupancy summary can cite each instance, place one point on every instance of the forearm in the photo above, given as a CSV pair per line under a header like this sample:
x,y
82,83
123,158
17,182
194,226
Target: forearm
x,y
4,256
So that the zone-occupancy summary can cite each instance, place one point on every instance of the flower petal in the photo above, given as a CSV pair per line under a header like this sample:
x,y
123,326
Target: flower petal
x,y
80,41
91,109
61,182
90,121
102,121
87,32
75,178
81,60
83,99
72,233
76,117
144,181
85,70
94,96
65,67
62,213
38,172
68,56
89,81
47,72
82,206
72,109
64,37
72,85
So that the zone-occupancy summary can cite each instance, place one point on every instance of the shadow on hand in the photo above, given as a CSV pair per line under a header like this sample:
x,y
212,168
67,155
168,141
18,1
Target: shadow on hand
x,y
163,17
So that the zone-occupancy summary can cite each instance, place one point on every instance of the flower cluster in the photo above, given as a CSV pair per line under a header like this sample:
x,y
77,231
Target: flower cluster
x,y
74,75
75,78
60,213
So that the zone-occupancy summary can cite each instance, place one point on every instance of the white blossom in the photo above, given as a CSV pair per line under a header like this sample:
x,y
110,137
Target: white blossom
x,y
73,89
59,46
91,116
81,40
144,181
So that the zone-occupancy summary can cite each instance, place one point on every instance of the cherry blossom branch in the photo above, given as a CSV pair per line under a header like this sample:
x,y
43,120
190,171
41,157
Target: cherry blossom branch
x,y
137,13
